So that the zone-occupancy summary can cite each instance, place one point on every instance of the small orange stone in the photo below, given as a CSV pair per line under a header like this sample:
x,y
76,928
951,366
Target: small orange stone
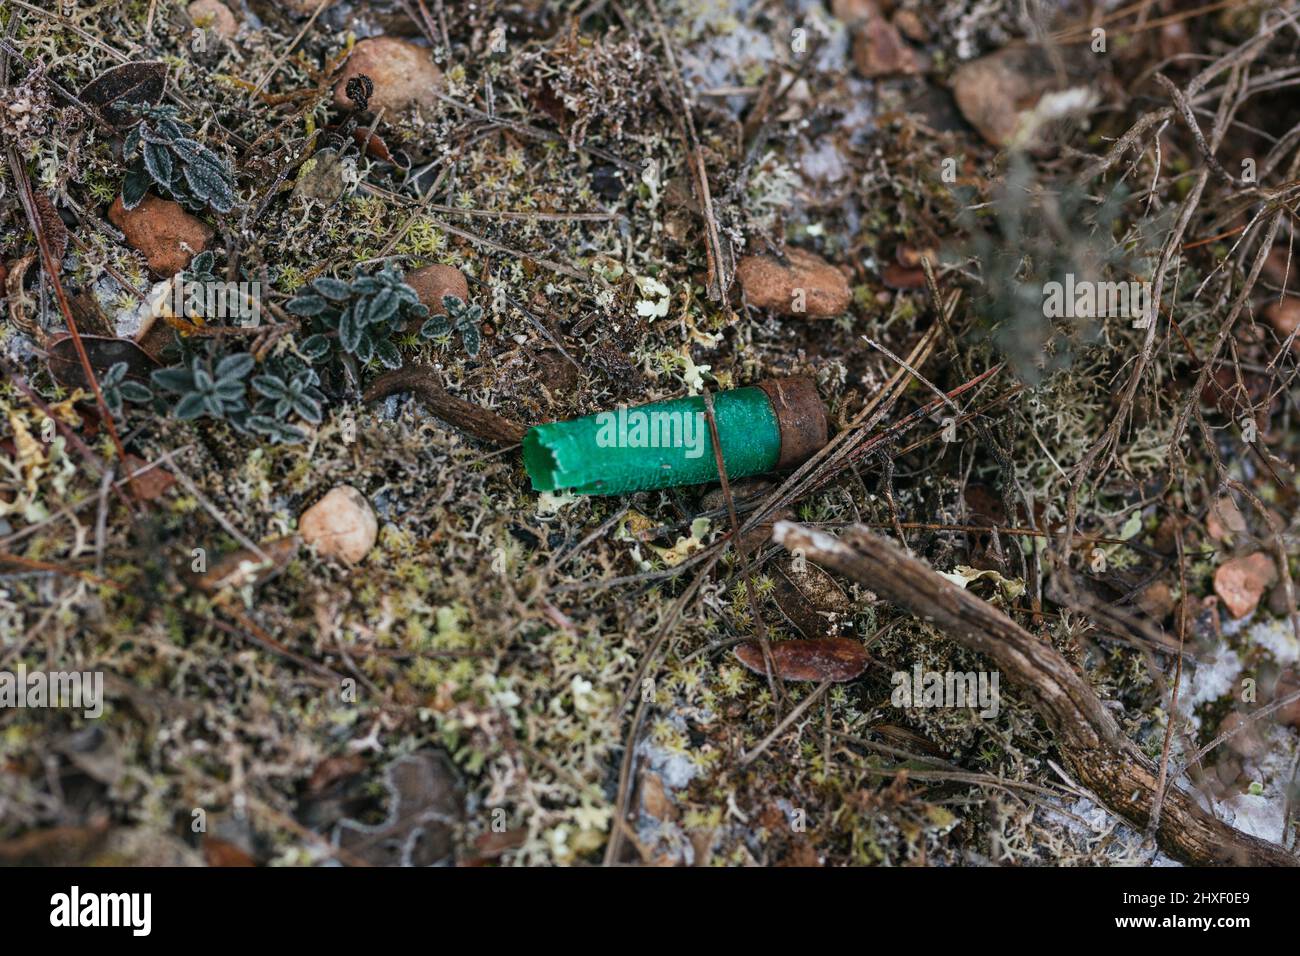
x,y
433,282
168,236
1284,316
805,286
341,525
404,75
1241,582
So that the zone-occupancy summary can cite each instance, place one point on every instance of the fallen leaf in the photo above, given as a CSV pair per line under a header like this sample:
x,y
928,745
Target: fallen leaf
x,y
810,599
491,845
245,567
831,658
654,797
139,83
900,277
152,483
1010,588
221,853
104,353
331,770
424,804
57,846
374,144
56,233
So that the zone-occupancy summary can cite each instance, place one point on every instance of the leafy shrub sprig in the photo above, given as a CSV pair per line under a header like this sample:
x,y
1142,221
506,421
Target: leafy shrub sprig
x,y
207,391
365,313
459,317
117,388
282,395
165,153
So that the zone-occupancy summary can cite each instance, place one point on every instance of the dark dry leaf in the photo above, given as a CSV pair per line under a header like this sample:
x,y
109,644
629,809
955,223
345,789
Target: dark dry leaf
x,y
244,567
140,84
104,353
810,599
832,658
56,233
223,853
374,145
425,802
150,484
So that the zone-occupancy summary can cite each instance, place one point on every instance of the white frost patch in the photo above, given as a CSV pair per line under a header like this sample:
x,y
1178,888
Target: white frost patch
x,y
674,769
723,61
1126,847
128,322
859,118
1276,636
549,504
1209,681
1260,816
823,163
1264,814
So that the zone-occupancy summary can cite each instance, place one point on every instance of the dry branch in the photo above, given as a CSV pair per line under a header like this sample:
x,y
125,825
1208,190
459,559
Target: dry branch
x,y
421,381
1101,757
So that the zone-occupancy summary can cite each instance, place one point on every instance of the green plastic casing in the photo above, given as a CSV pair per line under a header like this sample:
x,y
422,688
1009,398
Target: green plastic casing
x,y
659,445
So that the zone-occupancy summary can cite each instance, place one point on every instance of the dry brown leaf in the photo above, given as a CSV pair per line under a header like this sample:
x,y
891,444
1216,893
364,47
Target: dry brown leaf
x,y
831,658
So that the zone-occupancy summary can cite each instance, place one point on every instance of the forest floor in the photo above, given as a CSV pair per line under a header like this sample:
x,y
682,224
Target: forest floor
x,y
930,207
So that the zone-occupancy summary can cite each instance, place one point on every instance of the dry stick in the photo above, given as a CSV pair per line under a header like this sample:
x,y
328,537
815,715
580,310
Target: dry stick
x,y
216,514
1091,743
615,843
557,267
720,274
1253,716
1173,697
32,564
1189,118
255,635
604,528
287,50
533,320
790,718
422,20
528,215
536,132
52,270
422,381
915,374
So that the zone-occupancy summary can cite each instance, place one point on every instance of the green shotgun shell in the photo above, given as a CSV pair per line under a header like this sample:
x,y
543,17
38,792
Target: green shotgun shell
x,y
775,425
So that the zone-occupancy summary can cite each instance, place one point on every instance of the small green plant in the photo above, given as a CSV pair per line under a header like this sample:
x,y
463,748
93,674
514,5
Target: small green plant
x,y
200,269
206,391
117,388
364,312
459,317
164,153
282,395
